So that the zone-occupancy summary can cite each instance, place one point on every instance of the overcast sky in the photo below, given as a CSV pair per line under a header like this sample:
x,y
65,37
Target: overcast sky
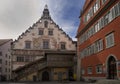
x,y
16,16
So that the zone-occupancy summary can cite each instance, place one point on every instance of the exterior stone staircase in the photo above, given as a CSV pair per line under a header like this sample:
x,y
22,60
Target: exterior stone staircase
x,y
30,68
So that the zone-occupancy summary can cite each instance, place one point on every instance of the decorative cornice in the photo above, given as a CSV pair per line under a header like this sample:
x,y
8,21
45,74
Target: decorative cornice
x,y
39,21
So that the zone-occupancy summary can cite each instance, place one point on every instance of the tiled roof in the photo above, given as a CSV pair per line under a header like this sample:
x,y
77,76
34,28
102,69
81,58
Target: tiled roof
x,y
3,41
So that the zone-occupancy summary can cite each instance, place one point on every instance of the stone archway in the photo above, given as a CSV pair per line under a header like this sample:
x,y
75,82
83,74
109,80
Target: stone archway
x,y
112,68
45,76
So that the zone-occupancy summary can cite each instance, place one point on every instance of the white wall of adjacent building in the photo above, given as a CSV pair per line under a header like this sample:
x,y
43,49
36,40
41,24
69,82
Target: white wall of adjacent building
x,y
6,60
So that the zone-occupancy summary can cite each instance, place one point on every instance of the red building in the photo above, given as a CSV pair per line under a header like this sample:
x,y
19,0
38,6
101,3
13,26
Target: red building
x,y
99,39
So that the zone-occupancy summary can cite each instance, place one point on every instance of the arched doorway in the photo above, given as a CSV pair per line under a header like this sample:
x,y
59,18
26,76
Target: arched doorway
x,y
112,70
45,76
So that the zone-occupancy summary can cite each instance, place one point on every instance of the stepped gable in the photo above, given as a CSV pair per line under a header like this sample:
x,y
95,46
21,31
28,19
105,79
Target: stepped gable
x,y
45,15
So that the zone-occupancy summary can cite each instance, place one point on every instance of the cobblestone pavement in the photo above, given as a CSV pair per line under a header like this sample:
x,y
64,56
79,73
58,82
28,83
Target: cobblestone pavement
x,y
66,82
45,83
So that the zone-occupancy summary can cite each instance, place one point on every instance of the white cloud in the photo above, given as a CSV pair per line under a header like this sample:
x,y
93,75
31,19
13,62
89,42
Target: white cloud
x,y
57,13
17,15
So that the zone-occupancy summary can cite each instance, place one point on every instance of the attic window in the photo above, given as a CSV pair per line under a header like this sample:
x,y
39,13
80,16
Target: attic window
x,y
63,45
46,24
41,31
50,32
27,44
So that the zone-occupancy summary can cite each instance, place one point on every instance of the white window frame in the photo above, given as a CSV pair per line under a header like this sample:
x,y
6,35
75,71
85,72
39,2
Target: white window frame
x,y
100,45
83,71
99,69
110,16
103,1
106,18
119,7
96,6
102,22
97,27
110,40
89,70
113,12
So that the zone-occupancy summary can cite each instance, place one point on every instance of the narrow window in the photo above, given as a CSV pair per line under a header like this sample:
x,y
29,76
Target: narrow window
x,y
50,32
0,53
102,22
88,16
116,10
119,7
110,40
41,31
83,71
110,16
106,19
89,70
97,28
96,6
46,44
99,69
63,47
0,69
27,44
6,62
104,1
46,24
113,13
0,61
100,45
92,30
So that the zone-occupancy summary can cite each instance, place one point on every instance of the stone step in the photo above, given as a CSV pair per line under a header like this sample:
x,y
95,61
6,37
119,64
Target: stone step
x,y
108,81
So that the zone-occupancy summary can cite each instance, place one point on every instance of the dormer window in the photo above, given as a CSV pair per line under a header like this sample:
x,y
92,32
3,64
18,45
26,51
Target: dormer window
x,y
27,44
46,24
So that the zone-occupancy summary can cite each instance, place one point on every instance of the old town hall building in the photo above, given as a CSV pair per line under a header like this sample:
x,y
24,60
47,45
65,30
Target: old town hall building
x,y
99,40
43,52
